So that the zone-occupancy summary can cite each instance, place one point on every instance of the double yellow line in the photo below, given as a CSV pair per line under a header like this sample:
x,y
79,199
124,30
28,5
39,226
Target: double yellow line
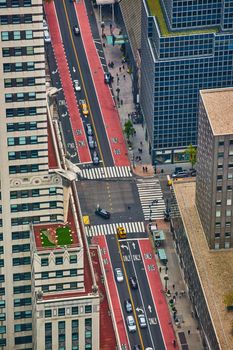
x,y
80,72
130,294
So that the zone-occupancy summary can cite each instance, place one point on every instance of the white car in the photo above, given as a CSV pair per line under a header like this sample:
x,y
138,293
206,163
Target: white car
x,y
77,86
131,324
119,275
45,25
142,321
47,38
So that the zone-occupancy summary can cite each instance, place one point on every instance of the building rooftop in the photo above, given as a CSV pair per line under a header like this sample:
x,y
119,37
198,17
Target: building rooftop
x,y
215,268
156,10
56,235
219,107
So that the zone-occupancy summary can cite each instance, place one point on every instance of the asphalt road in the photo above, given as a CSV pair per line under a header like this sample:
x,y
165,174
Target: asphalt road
x,y
119,197
142,301
83,75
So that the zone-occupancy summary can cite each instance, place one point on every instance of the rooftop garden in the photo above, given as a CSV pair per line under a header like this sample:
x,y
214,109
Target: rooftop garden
x,y
157,11
56,237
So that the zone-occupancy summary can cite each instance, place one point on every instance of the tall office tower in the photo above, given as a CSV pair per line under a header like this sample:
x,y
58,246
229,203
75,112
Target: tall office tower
x,y
186,46
214,188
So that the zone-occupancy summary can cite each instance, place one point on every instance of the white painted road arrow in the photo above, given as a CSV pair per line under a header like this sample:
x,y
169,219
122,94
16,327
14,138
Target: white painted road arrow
x,y
124,246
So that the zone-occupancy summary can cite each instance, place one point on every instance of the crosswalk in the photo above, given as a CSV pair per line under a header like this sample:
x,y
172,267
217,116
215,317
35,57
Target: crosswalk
x,y
111,229
151,198
106,172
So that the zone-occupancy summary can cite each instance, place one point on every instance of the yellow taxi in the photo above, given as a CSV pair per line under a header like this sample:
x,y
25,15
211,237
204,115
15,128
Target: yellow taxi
x,y
121,232
83,106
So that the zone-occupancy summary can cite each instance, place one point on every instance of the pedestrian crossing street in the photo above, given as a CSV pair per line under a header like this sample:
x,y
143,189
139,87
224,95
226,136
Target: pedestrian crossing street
x,y
151,198
106,172
111,229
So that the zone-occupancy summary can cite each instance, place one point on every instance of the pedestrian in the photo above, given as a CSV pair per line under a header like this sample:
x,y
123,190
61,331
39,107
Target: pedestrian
x,y
112,64
143,169
134,132
117,75
189,331
123,67
160,269
146,169
119,69
176,294
173,286
174,299
122,102
141,144
118,79
104,45
124,76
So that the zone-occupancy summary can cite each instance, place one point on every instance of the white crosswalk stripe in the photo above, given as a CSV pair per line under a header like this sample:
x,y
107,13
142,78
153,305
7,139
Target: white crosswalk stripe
x,y
151,198
111,229
106,172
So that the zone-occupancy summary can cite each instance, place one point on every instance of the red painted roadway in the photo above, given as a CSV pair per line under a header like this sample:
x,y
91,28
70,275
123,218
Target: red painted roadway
x,y
107,334
158,297
68,89
119,319
107,105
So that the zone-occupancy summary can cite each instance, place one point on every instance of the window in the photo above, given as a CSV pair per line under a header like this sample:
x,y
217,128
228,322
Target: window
x,y
44,275
18,67
44,262
29,50
35,193
48,313
28,34
31,96
59,260
73,272
15,19
218,213
228,212
88,309
75,310
5,36
61,311
17,35
30,65
229,201
59,274
52,191
8,98
73,259
6,52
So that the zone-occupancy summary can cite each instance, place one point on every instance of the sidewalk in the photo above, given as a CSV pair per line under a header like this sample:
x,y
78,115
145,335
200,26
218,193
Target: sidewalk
x,y
188,336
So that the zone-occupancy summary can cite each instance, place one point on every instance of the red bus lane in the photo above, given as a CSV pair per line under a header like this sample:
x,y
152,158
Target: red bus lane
x,y
67,85
159,300
111,285
107,105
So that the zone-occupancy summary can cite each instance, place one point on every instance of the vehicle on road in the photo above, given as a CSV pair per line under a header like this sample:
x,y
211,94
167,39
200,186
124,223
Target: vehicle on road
x,y
77,86
142,321
119,275
193,172
107,78
128,305
180,174
96,159
137,347
149,348
102,212
76,30
131,323
89,129
121,232
83,106
133,282
91,142
47,38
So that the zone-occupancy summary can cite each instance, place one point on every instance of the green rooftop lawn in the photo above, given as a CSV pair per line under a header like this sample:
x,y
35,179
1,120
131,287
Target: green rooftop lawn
x,y
156,10
61,237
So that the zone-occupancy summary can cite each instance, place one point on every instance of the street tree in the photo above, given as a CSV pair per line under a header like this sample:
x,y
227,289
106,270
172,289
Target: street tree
x,y
129,130
192,152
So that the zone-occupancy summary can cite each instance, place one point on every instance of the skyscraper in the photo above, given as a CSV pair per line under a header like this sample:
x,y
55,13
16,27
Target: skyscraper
x,y
186,46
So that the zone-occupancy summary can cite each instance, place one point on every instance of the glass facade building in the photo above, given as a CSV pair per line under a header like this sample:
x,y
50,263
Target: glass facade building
x,y
186,46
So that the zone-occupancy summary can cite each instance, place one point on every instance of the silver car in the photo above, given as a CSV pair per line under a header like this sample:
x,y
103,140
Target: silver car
x,y
142,321
131,324
119,275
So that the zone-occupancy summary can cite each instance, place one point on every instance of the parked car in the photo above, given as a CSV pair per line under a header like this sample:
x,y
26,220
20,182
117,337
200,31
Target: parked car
x,y
142,321
103,213
76,30
133,282
119,275
107,78
45,25
180,174
89,129
193,172
77,86
137,347
131,323
47,38
96,159
128,305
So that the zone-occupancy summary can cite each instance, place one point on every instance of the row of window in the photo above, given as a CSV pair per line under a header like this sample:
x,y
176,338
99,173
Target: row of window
x,y
18,82
52,191
18,51
21,112
23,169
23,155
17,35
15,3
34,220
20,97
11,127
15,208
59,260
59,287
63,311
59,274
15,141
22,289
18,67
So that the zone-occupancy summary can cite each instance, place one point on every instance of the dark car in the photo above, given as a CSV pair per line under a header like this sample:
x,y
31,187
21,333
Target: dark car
x,y
137,347
128,305
76,30
133,282
193,172
103,213
107,78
